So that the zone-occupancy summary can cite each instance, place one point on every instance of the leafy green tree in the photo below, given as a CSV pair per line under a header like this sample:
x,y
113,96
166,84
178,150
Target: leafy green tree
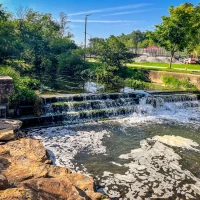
x,y
137,37
9,44
127,40
64,28
94,44
3,14
176,30
113,52
70,64
194,44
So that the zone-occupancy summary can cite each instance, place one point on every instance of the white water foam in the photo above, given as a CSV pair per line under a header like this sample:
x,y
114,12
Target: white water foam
x,y
177,112
177,141
63,144
93,87
153,172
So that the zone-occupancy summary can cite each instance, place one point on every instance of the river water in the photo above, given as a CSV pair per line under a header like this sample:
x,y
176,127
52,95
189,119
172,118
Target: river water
x,y
153,153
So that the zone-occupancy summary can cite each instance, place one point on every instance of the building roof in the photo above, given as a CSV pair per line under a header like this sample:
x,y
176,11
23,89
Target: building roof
x,y
152,48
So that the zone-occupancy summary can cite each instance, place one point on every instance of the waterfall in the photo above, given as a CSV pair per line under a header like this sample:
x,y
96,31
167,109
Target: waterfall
x,y
178,101
78,108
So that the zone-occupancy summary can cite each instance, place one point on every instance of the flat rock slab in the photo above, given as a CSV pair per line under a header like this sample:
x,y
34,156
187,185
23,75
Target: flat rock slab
x,y
7,128
10,124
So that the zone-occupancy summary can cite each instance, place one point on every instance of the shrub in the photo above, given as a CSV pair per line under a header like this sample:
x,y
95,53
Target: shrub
x,y
8,71
136,84
177,83
136,74
23,88
22,94
114,84
37,107
30,83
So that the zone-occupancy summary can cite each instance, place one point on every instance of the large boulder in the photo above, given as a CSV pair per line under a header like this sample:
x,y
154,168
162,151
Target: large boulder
x,y
54,188
29,148
10,124
23,164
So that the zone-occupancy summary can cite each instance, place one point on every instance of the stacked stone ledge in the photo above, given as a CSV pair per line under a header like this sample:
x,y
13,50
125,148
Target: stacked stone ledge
x,y
6,88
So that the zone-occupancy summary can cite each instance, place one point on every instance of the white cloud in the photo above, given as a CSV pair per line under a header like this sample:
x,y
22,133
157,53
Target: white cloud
x,y
129,12
110,9
104,21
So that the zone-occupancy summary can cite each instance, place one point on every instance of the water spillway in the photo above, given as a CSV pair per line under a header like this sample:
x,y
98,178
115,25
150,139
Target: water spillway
x,y
68,108
151,150
77,108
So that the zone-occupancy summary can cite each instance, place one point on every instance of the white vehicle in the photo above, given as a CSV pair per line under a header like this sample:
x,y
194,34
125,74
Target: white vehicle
x,y
190,61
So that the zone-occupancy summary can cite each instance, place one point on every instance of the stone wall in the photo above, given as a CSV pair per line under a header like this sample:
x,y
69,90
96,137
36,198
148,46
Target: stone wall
x,y
6,88
156,77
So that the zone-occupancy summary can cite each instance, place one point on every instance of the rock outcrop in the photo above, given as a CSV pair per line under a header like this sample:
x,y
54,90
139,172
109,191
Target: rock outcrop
x,y
8,128
26,173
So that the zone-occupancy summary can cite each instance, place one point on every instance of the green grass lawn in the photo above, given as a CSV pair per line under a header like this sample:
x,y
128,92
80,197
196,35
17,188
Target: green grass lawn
x,y
179,68
166,65
163,69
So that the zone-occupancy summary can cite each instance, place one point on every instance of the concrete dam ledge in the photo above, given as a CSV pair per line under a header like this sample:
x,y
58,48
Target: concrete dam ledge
x,y
156,77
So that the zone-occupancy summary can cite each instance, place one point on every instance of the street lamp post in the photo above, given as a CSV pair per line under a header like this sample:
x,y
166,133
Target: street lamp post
x,y
85,32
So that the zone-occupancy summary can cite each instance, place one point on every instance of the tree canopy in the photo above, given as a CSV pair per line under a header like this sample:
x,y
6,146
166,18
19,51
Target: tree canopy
x,y
177,30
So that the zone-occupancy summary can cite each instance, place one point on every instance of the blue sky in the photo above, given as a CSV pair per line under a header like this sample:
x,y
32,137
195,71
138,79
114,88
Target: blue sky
x,y
107,16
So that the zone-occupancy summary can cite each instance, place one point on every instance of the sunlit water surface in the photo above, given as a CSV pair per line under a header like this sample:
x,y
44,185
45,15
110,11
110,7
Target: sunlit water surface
x,y
126,158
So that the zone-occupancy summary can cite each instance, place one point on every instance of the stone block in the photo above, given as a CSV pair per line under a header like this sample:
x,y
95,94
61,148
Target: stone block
x,y
6,135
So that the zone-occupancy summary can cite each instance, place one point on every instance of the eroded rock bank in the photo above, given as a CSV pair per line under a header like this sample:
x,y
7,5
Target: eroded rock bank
x,y
27,173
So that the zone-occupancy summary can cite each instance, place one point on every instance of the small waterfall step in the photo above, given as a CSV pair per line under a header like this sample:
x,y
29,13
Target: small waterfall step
x,y
77,117
87,97
157,99
76,108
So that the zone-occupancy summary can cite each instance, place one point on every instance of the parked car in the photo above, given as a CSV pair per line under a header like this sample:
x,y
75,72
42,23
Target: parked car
x,y
180,59
190,61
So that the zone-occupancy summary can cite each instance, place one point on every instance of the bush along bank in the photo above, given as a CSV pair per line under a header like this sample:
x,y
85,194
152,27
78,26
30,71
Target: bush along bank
x,y
178,83
23,92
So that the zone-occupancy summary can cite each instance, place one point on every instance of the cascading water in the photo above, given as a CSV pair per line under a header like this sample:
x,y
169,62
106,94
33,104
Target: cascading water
x,y
80,108
153,151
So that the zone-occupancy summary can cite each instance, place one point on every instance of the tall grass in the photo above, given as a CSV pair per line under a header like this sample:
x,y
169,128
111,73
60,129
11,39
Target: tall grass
x,y
178,83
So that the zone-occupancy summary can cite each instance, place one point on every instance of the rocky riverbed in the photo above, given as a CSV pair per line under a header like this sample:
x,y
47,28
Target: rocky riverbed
x,y
26,172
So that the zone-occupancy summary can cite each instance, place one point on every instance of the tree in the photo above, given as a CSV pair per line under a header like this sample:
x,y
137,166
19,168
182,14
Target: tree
x,y
9,44
64,28
113,52
127,40
94,44
137,37
194,45
176,30
35,31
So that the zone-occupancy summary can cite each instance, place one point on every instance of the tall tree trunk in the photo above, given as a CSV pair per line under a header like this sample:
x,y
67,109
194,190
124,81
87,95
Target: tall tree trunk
x,y
170,63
